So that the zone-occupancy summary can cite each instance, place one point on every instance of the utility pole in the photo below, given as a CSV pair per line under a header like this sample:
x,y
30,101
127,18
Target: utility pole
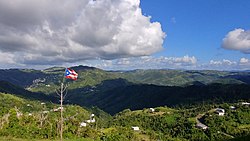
x,y
60,93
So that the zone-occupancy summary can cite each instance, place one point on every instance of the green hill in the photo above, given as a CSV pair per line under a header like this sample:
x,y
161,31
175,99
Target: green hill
x,y
39,80
180,124
181,77
32,119
113,91
21,77
6,87
29,119
134,96
180,98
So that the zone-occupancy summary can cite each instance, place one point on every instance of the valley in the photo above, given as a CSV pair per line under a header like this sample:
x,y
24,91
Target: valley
x,y
158,104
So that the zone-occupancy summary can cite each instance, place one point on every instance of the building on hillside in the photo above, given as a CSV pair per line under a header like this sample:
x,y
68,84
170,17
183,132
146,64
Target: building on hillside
x,y
232,108
45,112
55,110
220,111
201,126
135,128
92,119
58,109
83,124
19,114
245,103
151,110
28,105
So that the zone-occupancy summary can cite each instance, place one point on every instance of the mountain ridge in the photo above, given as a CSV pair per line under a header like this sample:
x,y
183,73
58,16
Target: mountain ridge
x,y
26,77
115,91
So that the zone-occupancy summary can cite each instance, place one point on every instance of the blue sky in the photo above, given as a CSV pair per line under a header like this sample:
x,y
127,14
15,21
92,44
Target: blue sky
x,y
126,34
197,27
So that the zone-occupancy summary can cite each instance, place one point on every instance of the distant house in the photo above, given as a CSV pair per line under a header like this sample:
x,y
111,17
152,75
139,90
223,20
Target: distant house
x,y
232,108
201,126
151,110
45,112
92,119
19,114
220,111
245,103
135,128
28,105
83,124
58,109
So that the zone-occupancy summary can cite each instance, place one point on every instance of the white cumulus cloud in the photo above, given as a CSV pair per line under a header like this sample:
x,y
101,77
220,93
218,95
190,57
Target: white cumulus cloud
x,y
244,62
185,60
223,62
238,39
149,62
162,62
59,31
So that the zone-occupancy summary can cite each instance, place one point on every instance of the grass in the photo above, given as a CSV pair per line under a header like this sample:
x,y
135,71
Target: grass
x,y
18,139
244,126
192,119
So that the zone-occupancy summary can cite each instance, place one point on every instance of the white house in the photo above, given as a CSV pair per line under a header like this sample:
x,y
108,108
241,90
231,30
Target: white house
x,y
90,120
45,112
19,114
232,107
201,126
83,124
151,110
56,110
245,103
220,111
28,105
135,128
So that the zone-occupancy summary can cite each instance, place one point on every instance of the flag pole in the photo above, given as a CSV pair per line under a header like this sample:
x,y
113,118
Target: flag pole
x,y
60,93
61,100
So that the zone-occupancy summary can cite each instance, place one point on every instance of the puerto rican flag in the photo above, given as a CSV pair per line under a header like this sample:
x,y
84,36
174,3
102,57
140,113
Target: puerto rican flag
x,y
70,74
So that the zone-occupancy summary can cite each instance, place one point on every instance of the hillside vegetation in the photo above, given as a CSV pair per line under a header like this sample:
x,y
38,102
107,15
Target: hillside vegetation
x,y
32,119
38,80
115,91
23,119
181,100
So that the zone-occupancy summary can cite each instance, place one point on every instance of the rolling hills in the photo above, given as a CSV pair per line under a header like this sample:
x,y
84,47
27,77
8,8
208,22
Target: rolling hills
x,y
178,96
113,91
89,76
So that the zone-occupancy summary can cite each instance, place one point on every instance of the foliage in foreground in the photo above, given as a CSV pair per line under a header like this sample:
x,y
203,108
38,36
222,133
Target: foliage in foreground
x,y
22,119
